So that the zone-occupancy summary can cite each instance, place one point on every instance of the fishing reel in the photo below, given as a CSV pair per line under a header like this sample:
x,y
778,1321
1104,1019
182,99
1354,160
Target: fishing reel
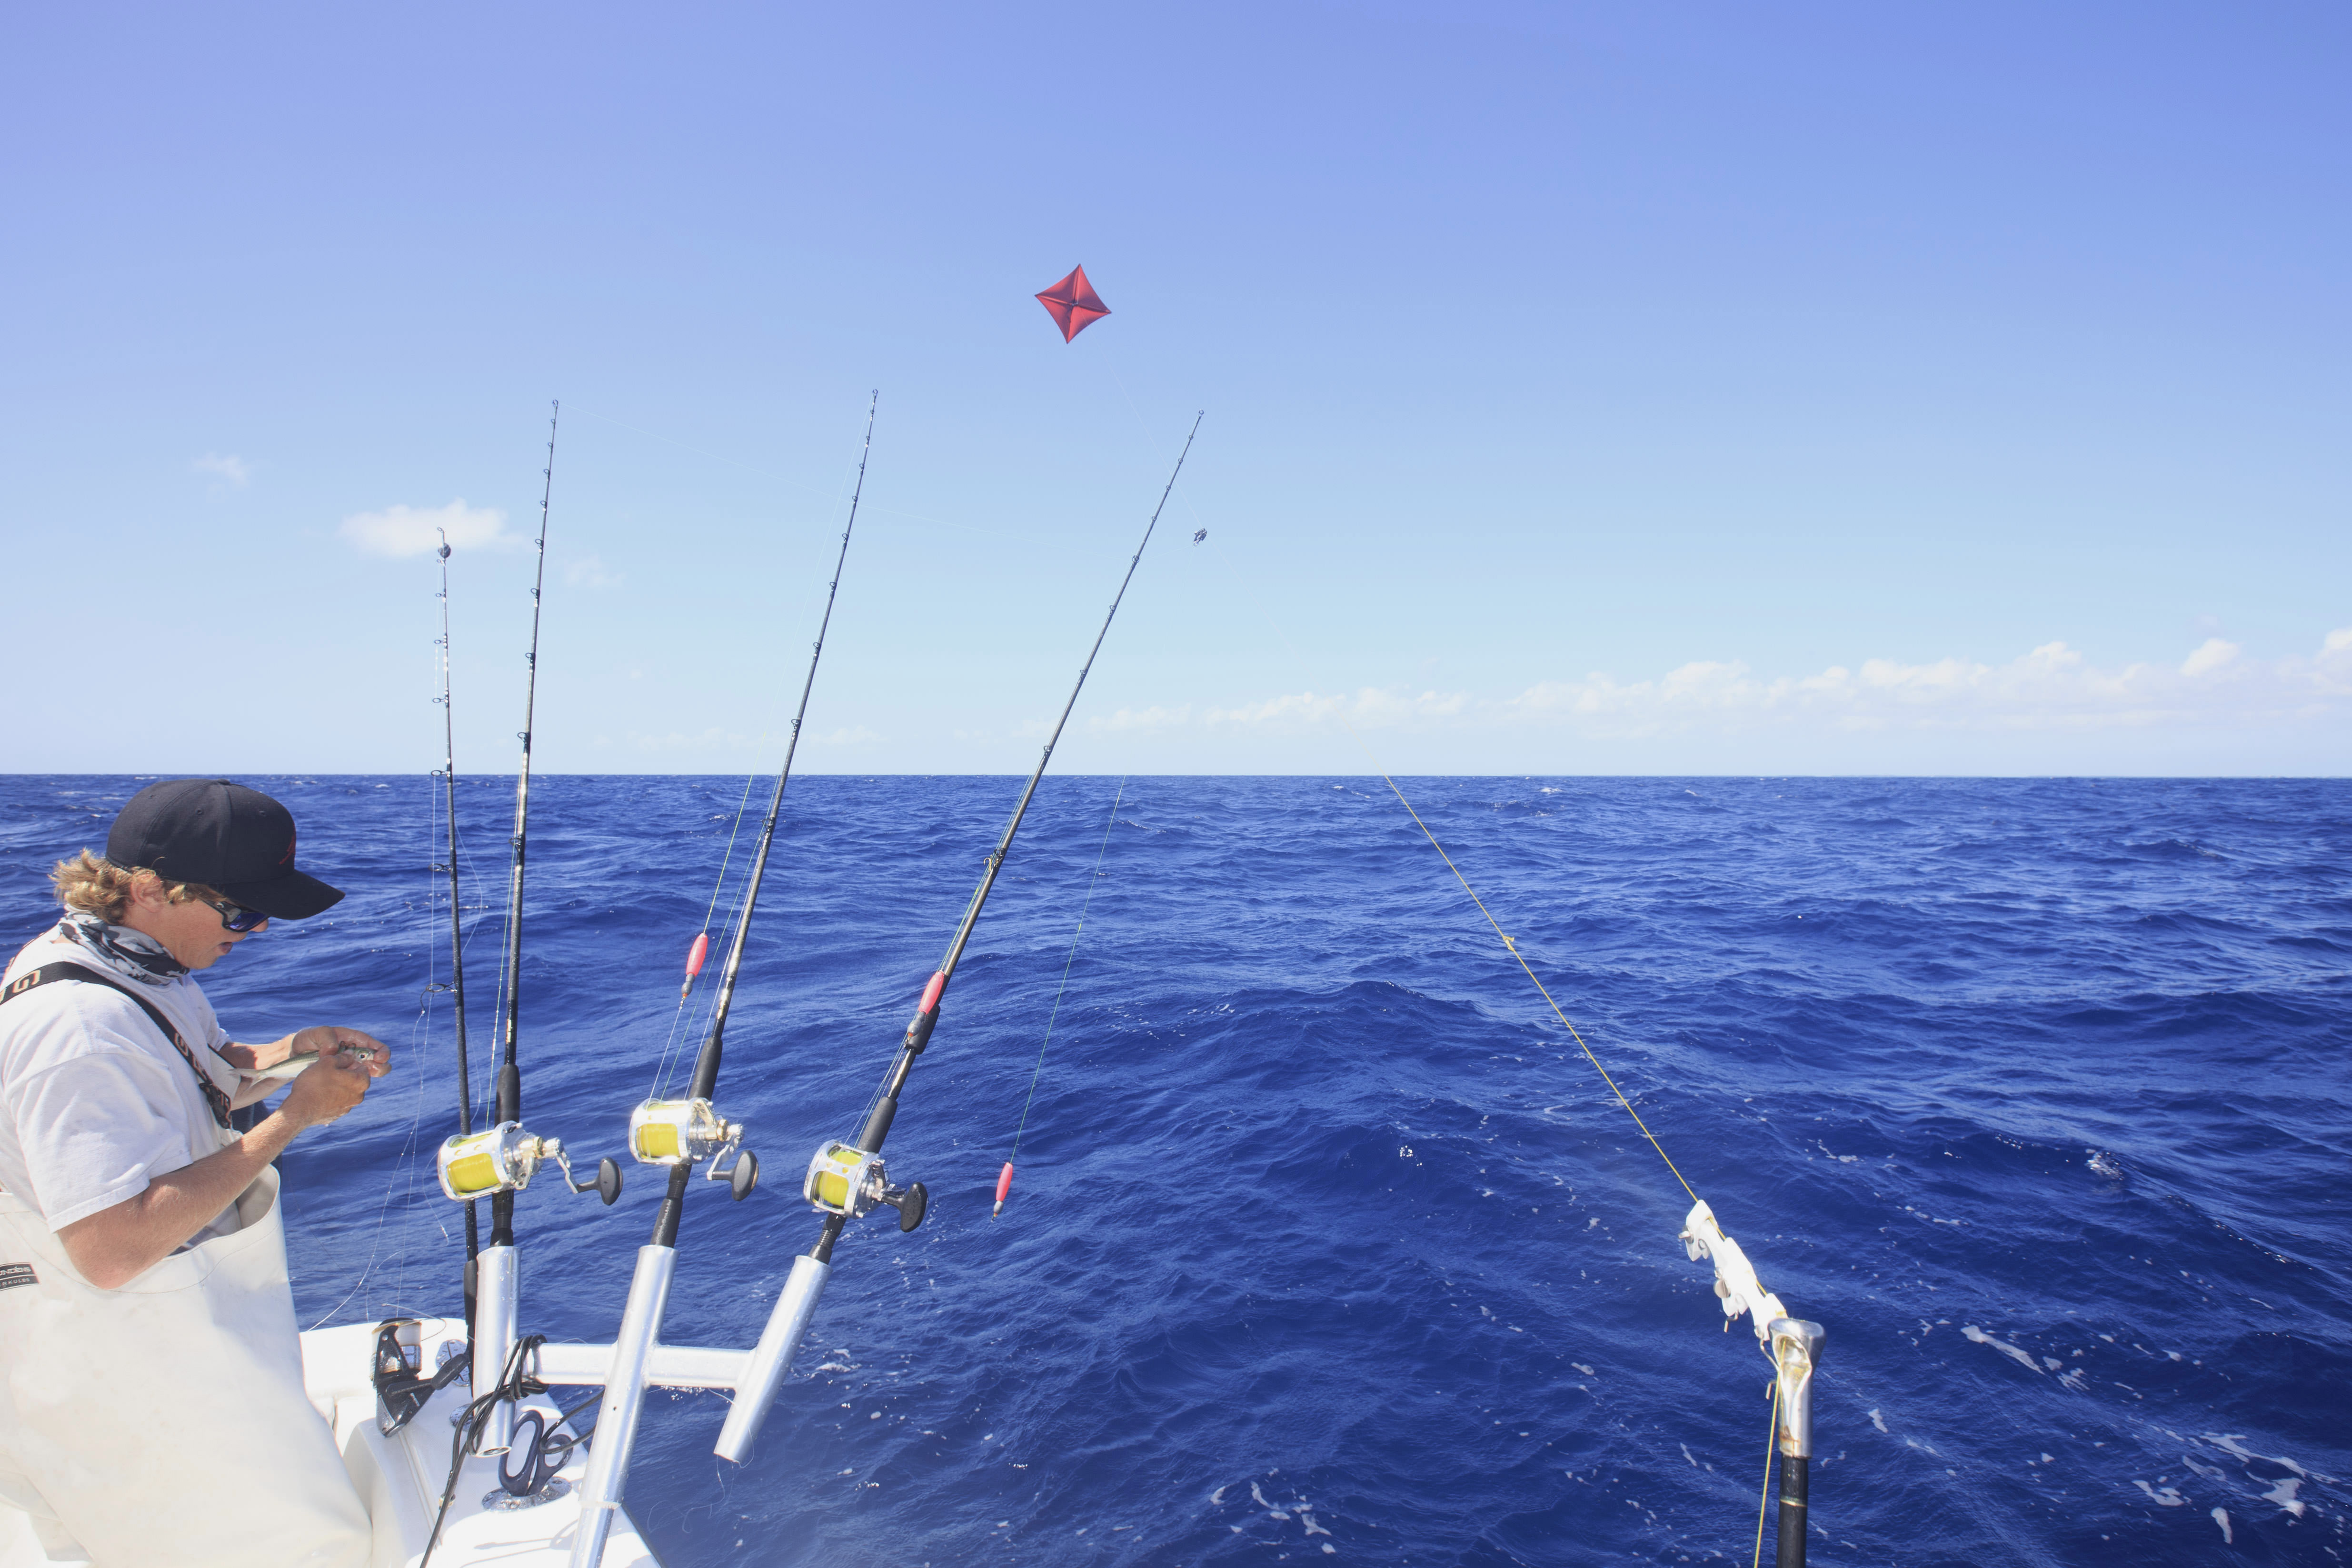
x,y
688,1133
848,1180
503,1158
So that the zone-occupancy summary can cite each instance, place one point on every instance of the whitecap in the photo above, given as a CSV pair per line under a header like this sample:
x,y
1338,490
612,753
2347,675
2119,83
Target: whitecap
x,y
2283,1495
2232,1443
1978,1336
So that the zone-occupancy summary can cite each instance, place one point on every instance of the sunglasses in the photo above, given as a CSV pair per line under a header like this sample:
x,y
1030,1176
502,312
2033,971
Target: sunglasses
x,y
236,917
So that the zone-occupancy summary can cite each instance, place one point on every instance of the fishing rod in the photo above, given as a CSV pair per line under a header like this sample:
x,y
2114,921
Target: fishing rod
x,y
500,1161
456,923
847,1181
684,1133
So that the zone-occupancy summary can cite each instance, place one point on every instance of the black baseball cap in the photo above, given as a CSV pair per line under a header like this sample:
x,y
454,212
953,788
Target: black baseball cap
x,y
235,840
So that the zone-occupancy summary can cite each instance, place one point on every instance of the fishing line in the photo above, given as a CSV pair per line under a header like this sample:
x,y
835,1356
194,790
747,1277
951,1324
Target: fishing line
x,y
701,943
1004,1181
469,934
1339,711
705,1006
403,1164
1770,1433
419,1036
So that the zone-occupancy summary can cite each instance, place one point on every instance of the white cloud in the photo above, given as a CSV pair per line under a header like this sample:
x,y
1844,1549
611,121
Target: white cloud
x,y
2049,687
2210,655
399,530
226,466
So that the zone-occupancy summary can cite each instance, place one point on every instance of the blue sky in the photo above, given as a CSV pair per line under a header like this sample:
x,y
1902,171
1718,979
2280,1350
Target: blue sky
x,y
1703,389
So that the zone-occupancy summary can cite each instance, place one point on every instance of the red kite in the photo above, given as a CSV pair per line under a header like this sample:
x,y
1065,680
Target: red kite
x,y
1074,304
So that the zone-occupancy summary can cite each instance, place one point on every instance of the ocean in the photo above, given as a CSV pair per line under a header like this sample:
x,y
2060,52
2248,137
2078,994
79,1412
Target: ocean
x,y
1326,1242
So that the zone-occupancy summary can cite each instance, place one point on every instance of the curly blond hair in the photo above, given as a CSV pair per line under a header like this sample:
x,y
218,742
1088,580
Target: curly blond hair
x,y
102,888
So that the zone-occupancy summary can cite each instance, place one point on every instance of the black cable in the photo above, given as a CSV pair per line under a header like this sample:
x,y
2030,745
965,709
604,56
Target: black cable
x,y
549,1449
514,1383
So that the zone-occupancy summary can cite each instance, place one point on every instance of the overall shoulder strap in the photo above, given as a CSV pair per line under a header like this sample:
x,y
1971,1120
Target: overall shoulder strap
x,y
214,1096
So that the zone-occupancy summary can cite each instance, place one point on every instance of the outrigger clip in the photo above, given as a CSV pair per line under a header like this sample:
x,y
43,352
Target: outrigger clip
x,y
689,1132
503,1158
1736,1284
850,1182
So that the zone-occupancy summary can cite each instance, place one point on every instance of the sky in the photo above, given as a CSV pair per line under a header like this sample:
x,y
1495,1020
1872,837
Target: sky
x,y
1703,389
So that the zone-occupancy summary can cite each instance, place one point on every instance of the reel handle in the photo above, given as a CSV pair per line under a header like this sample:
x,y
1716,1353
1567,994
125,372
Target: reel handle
x,y
912,1202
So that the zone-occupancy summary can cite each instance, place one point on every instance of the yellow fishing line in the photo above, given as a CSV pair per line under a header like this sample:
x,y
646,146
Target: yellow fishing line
x,y
1511,946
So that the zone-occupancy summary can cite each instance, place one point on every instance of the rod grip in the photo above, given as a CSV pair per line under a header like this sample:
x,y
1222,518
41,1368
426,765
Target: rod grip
x,y
1791,1552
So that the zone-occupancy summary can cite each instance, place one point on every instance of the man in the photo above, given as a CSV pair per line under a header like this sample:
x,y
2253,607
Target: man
x,y
152,1408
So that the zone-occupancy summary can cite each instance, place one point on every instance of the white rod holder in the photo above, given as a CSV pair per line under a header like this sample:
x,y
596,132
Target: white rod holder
x,y
495,1281
772,1357
624,1388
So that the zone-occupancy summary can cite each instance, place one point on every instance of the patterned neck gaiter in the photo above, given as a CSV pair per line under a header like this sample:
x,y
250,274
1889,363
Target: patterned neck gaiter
x,y
131,954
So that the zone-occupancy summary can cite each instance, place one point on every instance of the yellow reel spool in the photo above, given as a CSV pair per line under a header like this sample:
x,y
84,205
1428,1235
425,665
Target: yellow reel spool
x,y
679,1131
501,1159
845,1180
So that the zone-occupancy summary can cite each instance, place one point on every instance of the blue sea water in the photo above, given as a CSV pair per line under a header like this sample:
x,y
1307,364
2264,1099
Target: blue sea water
x,y
1327,1242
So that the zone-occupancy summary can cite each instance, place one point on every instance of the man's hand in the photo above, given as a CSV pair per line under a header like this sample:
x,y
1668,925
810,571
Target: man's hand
x,y
320,1039
329,1041
348,1061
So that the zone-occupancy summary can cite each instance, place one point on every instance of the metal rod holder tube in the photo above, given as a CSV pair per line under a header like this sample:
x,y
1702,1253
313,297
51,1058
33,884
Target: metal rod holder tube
x,y
1796,1347
495,1281
624,1388
771,1358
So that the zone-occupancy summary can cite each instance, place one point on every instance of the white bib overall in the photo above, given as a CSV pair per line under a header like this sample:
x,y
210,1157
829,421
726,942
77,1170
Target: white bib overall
x,y
163,1424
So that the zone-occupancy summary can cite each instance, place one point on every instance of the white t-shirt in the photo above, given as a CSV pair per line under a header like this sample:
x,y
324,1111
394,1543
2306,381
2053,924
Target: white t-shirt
x,y
94,1102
